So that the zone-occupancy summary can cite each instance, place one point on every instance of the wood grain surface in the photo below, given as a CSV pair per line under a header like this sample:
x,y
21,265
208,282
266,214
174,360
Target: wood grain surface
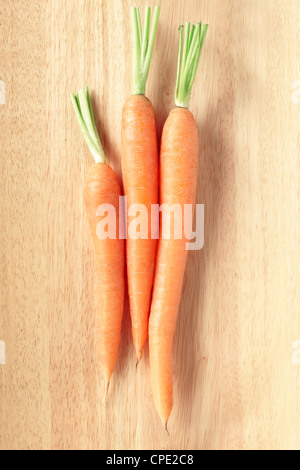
x,y
236,363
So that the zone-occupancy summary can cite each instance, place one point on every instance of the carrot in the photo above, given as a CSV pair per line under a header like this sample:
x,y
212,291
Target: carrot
x,y
102,187
139,154
178,179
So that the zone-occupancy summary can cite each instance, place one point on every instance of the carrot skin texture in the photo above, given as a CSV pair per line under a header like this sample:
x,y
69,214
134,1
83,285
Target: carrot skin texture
x,y
102,187
140,178
178,181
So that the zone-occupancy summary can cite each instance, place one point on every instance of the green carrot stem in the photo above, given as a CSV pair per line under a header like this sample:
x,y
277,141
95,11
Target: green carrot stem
x,y
191,35
190,49
83,110
143,45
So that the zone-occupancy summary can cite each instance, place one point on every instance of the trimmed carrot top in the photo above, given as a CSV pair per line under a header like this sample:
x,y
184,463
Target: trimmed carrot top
x,y
143,46
83,109
190,49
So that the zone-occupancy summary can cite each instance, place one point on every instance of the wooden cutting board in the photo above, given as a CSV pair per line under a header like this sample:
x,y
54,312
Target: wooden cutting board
x,y
237,345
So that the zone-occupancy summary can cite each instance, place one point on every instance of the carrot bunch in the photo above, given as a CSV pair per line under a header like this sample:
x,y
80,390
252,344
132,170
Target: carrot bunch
x,y
155,268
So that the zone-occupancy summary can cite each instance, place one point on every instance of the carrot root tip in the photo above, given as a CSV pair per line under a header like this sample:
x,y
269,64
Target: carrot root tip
x,y
138,360
106,392
139,355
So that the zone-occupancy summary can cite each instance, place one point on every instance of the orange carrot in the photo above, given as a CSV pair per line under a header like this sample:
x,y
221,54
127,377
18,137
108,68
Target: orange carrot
x,y
140,177
102,188
178,179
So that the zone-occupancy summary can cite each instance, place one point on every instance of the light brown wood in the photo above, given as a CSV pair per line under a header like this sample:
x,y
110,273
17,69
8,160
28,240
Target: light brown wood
x,y
236,363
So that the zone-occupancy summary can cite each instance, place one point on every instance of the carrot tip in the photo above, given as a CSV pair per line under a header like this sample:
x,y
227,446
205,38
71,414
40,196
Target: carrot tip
x,y
139,355
106,392
166,428
138,360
